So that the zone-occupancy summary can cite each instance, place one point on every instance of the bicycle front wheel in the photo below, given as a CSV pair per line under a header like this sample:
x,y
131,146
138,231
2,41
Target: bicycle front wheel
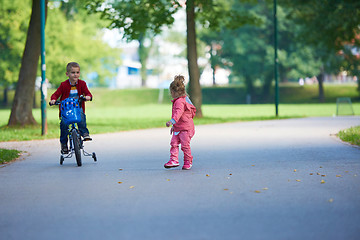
x,y
76,142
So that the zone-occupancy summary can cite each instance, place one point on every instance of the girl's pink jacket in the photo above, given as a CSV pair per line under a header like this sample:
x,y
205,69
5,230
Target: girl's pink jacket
x,y
183,112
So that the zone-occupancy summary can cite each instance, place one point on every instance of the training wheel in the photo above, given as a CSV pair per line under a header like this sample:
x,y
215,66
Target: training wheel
x,y
94,157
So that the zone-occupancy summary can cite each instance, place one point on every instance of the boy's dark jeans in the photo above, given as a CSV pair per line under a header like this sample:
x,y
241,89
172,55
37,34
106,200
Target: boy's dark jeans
x,y
64,129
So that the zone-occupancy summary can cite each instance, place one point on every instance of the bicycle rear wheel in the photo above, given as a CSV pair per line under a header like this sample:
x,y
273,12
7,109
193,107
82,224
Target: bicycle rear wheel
x,y
76,142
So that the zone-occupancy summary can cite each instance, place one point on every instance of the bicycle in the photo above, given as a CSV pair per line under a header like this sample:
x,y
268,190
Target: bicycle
x,y
71,115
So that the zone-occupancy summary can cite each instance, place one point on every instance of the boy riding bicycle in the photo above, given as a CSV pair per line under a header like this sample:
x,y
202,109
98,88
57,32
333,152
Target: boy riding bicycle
x,y
72,88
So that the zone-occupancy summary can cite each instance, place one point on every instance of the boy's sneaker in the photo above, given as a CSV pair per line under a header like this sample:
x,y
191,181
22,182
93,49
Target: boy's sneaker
x,y
187,165
64,148
171,164
87,137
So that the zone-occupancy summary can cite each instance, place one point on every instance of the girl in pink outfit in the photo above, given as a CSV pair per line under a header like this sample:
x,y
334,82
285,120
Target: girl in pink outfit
x,y
183,112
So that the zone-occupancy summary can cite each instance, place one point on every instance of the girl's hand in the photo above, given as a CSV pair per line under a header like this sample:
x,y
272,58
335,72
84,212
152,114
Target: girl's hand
x,y
168,124
88,98
171,130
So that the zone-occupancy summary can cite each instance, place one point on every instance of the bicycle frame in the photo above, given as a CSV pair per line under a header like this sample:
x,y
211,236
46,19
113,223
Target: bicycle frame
x,y
76,142
72,127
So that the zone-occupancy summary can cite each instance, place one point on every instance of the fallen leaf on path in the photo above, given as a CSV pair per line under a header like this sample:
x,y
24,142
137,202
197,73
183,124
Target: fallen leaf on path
x,y
120,169
331,200
322,181
298,180
257,191
294,170
226,189
119,182
338,175
167,179
318,174
323,175
131,187
311,174
207,175
265,188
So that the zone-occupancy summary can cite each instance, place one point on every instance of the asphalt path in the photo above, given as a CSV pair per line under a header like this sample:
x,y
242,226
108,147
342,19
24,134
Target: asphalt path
x,y
278,179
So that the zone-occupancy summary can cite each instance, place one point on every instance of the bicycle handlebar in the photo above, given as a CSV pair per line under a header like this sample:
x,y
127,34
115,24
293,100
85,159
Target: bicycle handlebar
x,y
81,99
57,102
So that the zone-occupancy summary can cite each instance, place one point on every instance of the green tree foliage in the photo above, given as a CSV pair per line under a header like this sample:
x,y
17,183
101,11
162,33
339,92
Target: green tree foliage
x,y
328,22
332,27
72,35
135,17
21,111
138,20
249,52
76,35
14,21
305,47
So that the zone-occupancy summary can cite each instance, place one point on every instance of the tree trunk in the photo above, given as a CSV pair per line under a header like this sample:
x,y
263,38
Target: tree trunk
x,y
143,57
249,85
320,78
194,72
268,78
5,100
21,112
213,65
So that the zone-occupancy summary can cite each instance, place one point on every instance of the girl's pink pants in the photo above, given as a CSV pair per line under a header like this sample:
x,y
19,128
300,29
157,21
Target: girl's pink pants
x,y
182,138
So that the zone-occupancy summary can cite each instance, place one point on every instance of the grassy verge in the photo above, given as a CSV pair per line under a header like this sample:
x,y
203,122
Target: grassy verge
x,y
130,109
125,118
7,155
351,135
290,93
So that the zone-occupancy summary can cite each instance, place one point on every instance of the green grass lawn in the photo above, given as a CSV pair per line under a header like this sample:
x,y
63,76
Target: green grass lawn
x,y
125,118
351,135
7,155
130,109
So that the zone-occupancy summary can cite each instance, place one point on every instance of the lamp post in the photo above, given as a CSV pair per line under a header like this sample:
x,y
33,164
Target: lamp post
x,y
43,87
276,64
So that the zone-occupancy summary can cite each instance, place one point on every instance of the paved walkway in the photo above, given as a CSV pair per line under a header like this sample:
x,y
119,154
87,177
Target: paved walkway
x,y
281,179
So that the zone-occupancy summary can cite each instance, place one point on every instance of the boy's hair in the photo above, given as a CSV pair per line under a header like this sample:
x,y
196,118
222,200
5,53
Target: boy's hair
x,y
178,85
71,65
